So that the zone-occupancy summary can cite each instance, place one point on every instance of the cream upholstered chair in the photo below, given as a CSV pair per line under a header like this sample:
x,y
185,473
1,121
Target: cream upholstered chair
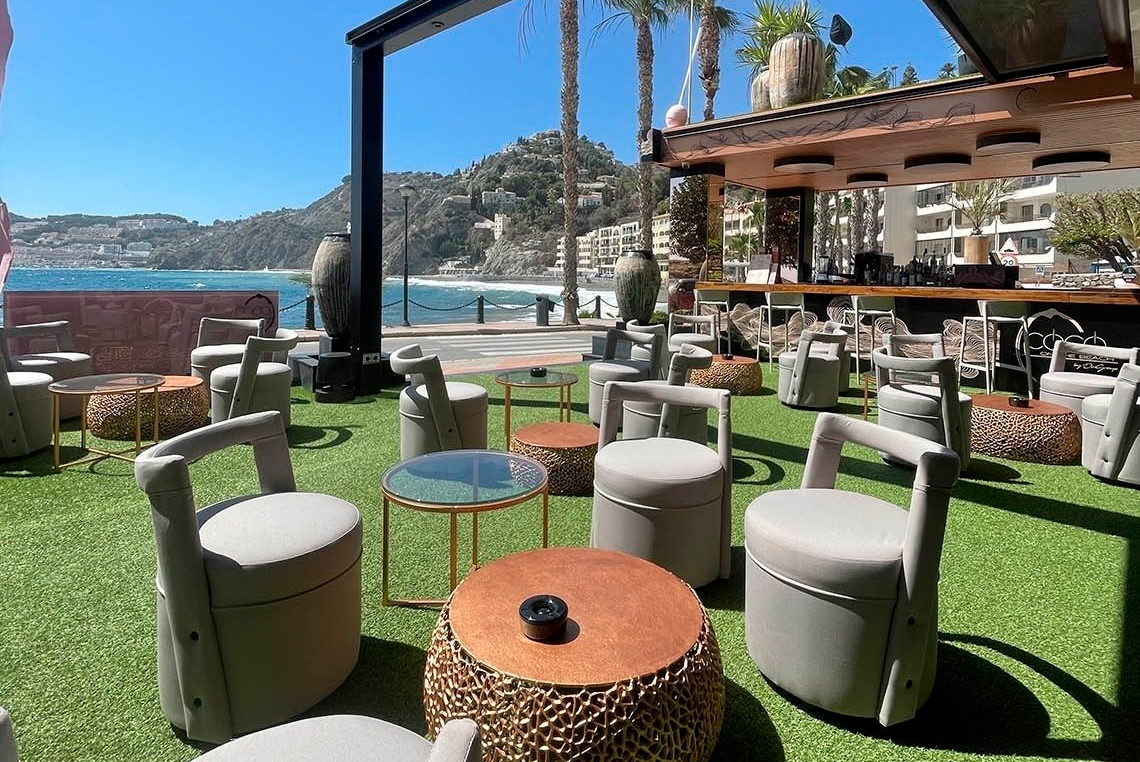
x,y
873,307
645,352
920,394
1069,388
647,344
7,739
664,499
254,384
811,376
435,414
641,420
1110,430
702,330
258,595
25,411
221,341
351,738
841,592
831,326
61,361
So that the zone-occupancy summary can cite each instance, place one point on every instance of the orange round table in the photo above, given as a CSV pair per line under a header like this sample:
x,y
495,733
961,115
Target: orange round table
x,y
566,449
635,675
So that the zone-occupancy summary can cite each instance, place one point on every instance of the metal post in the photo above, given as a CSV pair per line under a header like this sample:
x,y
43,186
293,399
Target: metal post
x,y
406,324
310,313
479,308
598,307
542,311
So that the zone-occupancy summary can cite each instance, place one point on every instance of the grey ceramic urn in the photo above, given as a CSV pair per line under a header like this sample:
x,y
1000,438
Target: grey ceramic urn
x,y
332,267
637,279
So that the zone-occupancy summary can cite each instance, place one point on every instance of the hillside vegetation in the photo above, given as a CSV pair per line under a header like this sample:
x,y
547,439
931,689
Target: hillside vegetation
x,y
442,215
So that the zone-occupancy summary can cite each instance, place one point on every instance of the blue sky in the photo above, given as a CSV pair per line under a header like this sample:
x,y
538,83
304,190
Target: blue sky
x,y
222,109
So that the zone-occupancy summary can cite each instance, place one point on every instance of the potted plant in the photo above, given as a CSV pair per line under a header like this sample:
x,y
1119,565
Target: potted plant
x,y
1027,32
979,202
788,58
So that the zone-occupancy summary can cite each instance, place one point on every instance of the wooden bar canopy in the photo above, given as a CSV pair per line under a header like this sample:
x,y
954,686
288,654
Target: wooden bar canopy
x,y
894,132
1125,297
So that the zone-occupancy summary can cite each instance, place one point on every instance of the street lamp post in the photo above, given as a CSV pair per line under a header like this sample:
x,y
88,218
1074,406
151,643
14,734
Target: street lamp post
x,y
406,192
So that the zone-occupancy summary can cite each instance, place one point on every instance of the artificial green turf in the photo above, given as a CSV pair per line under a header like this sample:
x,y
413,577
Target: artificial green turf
x,y
1038,657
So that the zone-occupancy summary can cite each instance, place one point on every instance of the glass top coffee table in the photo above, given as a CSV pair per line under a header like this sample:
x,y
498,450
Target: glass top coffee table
x,y
455,482
90,386
524,379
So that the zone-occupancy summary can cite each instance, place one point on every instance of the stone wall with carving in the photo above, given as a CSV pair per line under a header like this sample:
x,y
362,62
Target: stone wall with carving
x,y
1084,280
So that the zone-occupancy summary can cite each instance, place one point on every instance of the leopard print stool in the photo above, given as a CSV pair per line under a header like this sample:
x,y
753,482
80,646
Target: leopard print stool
x,y
740,375
567,451
183,405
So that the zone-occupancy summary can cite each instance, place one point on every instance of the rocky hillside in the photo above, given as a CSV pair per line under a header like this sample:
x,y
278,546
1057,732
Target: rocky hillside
x,y
448,219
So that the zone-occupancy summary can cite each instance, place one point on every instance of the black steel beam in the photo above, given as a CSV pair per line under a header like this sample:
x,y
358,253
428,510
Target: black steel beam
x,y
414,21
367,214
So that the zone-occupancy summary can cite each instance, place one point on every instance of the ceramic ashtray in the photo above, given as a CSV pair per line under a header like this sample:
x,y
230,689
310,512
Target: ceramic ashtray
x,y
542,616
727,355
538,372
1018,401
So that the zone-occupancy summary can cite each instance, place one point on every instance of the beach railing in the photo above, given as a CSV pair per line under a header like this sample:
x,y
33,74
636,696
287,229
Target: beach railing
x,y
543,305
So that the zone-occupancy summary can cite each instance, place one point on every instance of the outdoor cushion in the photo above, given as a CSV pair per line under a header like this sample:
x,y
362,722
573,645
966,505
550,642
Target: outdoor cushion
x,y
266,547
78,363
659,472
919,399
618,370
29,387
847,544
641,419
350,738
212,356
225,377
1071,384
466,399
678,340
1094,409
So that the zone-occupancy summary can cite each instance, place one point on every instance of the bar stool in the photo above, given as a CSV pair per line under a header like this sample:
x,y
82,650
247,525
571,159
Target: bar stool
x,y
786,303
872,307
998,314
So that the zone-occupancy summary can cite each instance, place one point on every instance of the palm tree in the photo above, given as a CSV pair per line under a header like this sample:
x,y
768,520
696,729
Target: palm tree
x,y
980,201
725,23
947,71
646,16
771,21
568,23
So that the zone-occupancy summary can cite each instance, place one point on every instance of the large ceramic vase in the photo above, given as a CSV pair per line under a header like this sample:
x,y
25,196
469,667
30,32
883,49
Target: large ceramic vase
x,y
759,94
796,70
332,267
637,279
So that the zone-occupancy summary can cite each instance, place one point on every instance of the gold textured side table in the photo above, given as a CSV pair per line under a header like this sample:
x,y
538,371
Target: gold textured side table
x,y
636,674
738,374
567,451
1041,433
183,405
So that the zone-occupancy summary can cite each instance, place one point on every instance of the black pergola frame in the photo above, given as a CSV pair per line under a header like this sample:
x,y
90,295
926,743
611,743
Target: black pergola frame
x,y
400,27
417,20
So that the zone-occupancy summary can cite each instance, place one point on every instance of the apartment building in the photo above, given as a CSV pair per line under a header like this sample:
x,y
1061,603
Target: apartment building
x,y
919,220
499,196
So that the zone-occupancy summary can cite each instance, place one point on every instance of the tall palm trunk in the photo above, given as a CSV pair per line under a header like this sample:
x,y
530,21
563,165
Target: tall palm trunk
x,y
821,226
708,48
644,123
855,222
872,224
568,12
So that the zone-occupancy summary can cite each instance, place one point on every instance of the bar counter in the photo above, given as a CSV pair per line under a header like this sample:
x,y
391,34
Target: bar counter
x,y
1093,316
1116,296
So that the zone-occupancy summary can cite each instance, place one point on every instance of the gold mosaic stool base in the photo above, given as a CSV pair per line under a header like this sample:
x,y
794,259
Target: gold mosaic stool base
x,y
636,674
183,405
740,375
567,451
1041,433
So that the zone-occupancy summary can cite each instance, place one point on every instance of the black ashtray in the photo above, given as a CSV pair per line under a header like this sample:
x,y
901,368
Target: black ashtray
x,y
1018,401
542,616
727,355
539,372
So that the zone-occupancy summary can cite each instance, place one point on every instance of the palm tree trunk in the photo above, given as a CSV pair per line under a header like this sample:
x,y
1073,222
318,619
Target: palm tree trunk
x,y
568,12
644,123
874,226
708,48
855,222
820,225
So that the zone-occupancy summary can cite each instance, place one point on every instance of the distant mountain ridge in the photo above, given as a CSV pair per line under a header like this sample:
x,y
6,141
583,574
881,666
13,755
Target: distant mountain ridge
x,y
442,217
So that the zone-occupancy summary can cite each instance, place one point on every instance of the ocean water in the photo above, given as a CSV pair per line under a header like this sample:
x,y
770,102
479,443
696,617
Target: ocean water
x,y
430,301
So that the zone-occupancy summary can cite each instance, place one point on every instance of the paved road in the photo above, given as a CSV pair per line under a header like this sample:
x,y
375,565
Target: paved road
x,y
504,346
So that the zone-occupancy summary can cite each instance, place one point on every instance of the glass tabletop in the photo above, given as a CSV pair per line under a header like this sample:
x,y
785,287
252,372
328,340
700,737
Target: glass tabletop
x,y
469,478
109,383
524,378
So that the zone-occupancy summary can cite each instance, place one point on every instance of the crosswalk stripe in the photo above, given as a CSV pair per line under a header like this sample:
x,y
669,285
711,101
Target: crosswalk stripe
x,y
527,352
528,339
